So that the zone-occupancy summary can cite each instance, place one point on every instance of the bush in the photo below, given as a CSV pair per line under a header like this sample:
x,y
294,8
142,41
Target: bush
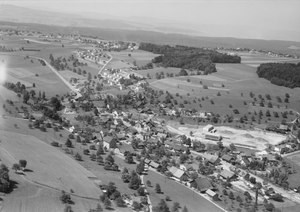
x,y
54,143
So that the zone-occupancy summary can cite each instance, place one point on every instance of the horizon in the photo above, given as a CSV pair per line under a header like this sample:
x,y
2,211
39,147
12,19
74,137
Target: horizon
x,y
258,19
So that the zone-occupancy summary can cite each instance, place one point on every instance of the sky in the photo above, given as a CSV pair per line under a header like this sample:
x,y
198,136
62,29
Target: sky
x,y
266,19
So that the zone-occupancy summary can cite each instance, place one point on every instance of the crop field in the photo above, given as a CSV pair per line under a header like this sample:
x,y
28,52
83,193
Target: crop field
x,y
141,57
177,193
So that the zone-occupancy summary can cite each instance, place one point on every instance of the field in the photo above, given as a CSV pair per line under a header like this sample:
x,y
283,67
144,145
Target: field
x,y
177,193
49,167
229,89
29,71
140,57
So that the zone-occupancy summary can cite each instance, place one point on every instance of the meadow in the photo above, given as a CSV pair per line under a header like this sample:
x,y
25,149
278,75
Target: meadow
x,y
140,57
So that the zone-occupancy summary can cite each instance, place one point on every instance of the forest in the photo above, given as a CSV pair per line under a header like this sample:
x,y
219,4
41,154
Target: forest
x,y
282,74
188,57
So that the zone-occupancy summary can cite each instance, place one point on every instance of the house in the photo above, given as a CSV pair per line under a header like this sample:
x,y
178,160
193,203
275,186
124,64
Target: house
x,y
202,184
226,174
228,158
147,161
213,159
178,173
212,194
154,165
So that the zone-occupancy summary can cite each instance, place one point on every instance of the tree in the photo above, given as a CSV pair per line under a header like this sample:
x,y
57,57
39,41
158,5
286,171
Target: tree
x,y
269,207
129,158
69,143
231,195
16,167
175,207
136,206
141,191
252,180
23,163
183,72
140,167
120,202
68,208
110,159
135,181
161,207
97,209
148,183
185,209
107,203
65,198
78,157
157,188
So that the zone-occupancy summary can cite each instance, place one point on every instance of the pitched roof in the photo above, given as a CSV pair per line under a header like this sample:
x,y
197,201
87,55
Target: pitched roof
x,y
203,183
178,173
227,157
154,164
210,193
210,158
226,174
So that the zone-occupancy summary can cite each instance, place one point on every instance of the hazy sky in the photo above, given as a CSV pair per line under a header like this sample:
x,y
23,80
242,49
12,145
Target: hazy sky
x,y
264,18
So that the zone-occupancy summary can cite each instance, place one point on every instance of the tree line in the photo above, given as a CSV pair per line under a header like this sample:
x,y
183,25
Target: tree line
x,y
188,57
282,74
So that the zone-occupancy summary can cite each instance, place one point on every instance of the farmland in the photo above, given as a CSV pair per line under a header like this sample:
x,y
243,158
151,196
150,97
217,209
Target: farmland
x,y
48,170
229,88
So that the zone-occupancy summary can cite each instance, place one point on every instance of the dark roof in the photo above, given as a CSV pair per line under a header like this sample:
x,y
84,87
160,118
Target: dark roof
x,y
227,157
202,183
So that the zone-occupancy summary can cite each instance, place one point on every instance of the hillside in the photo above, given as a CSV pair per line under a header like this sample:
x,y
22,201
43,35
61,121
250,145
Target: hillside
x,y
163,38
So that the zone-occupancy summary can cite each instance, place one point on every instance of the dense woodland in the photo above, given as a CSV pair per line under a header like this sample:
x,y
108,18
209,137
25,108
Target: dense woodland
x,y
188,57
282,74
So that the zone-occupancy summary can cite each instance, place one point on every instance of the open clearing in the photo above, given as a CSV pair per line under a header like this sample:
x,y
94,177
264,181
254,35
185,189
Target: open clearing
x,y
255,139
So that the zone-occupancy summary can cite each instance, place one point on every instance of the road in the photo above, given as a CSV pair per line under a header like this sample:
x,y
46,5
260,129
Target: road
x,y
68,84
105,64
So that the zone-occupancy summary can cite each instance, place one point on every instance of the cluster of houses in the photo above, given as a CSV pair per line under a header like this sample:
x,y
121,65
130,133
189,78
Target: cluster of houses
x,y
94,55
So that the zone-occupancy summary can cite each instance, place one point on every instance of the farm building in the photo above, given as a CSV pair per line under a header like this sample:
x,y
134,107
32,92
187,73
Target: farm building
x,y
214,137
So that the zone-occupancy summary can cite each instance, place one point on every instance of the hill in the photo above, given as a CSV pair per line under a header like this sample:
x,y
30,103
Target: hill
x,y
126,31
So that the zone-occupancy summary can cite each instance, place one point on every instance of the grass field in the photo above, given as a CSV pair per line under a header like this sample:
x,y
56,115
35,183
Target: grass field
x,y
29,71
49,166
141,57
238,81
177,193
